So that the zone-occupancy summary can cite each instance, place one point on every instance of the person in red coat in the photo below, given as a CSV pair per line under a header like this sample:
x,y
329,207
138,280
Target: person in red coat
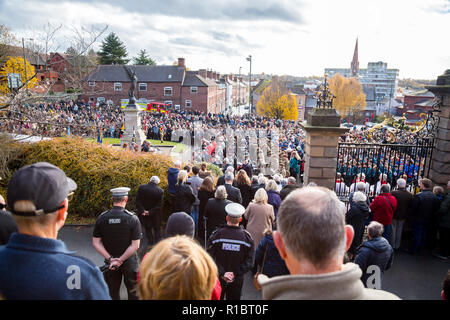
x,y
383,208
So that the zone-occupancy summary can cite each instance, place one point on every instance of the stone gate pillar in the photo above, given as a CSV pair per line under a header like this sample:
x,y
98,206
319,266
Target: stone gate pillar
x,y
440,161
323,129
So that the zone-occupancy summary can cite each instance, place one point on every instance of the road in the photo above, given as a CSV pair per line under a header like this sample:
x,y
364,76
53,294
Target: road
x,y
411,277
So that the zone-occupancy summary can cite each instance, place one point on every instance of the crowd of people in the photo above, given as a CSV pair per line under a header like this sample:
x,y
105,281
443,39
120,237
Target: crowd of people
x,y
218,230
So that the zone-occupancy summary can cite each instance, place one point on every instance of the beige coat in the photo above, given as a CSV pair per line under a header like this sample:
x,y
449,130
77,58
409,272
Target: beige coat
x,y
259,218
341,285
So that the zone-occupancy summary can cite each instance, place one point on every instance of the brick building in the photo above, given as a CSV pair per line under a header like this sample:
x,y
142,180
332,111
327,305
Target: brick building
x,y
182,89
415,104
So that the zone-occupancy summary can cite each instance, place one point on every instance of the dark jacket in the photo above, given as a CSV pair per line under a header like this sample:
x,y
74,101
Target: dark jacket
x,y
275,200
377,252
443,215
254,187
150,198
274,264
172,175
7,226
203,196
234,194
424,205
44,269
215,214
404,202
356,217
246,193
288,189
233,250
184,198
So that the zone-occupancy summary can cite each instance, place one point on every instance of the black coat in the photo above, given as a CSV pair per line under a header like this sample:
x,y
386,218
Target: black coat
x,y
150,198
215,214
7,226
184,198
234,194
274,264
356,217
203,196
424,205
246,193
287,189
404,202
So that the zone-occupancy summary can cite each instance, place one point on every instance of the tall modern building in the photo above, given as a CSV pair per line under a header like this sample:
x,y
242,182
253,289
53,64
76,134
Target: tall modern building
x,y
377,74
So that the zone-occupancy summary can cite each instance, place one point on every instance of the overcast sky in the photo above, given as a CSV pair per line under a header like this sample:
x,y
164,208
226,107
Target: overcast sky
x,y
295,37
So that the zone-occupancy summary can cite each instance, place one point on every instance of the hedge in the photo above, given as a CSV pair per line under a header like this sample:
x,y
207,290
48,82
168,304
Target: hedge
x,y
95,168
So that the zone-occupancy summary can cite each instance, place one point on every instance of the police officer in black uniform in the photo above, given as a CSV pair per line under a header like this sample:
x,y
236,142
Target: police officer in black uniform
x,y
232,248
116,237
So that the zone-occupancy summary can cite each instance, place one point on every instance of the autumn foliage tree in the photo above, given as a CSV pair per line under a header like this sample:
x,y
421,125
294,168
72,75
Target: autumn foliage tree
x,y
349,95
16,65
275,104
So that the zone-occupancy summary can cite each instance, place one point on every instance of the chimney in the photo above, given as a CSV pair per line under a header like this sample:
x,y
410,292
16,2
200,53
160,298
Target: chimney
x,y
209,74
181,62
202,73
218,76
214,75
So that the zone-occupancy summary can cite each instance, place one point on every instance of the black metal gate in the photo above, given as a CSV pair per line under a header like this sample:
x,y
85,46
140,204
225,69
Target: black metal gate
x,y
379,163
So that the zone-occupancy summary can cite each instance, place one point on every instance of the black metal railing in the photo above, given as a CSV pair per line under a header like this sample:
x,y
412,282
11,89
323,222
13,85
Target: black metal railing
x,y
376,164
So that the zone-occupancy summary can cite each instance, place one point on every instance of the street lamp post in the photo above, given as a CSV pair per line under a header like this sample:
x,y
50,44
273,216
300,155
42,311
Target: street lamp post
x,y
250,102
239,92
25,63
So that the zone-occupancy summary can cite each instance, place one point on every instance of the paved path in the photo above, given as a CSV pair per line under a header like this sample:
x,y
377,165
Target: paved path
x,y
411,277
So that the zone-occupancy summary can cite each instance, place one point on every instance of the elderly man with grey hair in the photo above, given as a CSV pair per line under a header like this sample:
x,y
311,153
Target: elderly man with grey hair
x,y
149,203
221,179
312,239
361,187
234,194
375,256
404,202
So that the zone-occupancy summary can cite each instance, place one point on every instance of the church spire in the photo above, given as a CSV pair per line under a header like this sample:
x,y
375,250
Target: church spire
x,y
355,62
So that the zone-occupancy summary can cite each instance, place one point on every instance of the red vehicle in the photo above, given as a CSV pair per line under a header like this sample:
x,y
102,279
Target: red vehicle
x,y
158,107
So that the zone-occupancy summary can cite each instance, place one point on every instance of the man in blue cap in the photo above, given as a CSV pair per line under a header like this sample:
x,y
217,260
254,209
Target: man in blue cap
x,y
232,248
35,264
117,235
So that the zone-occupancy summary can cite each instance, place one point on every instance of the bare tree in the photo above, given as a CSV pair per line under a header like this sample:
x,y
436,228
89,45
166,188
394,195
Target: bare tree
x,y
47,41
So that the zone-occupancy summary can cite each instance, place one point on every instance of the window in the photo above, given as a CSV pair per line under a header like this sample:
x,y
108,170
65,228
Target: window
x,y
142,87
168,91
169,102
188,104
91,83
194,90
117,86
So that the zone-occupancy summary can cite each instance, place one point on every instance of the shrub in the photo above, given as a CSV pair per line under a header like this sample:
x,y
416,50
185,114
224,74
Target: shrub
x,y
95,168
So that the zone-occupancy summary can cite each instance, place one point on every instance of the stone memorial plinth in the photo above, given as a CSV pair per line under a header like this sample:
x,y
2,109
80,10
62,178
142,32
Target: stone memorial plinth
x,y
323,130
440,161
132,126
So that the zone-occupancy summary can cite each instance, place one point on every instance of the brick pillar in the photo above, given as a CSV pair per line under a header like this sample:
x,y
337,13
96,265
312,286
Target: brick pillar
x,y
321,146
440,162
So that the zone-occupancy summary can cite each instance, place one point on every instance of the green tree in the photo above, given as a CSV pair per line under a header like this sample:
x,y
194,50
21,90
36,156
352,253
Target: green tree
x,y
143,59
113,51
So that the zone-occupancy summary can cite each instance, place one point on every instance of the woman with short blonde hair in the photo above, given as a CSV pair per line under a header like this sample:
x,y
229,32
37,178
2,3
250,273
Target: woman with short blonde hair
x,y
182,176
261,196
177,268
